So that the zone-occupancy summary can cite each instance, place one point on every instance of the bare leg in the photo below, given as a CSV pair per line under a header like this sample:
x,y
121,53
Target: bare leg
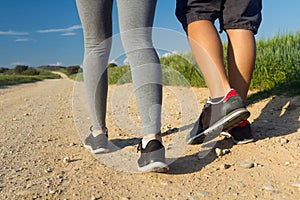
x,y
208,50
241,59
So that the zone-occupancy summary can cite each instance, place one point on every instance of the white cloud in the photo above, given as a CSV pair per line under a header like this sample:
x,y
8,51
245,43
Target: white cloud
x,y
22,40
13,33
68,34
68,29
58,63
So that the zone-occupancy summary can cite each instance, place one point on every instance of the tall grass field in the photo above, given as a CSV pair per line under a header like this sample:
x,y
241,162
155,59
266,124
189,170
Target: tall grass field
x,y
277,68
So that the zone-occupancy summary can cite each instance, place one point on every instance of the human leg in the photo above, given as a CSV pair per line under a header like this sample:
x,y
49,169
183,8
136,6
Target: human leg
x,y
225,109
96,22
136,20
241,59
208,51
241,21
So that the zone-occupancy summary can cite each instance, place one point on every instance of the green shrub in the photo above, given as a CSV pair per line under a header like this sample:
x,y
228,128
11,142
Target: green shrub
x,y
19,69
119,75
177,70
31,72
180,69
112,65
3,69
72,70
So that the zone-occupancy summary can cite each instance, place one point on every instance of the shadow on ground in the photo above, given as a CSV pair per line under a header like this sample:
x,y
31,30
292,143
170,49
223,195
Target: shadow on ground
x,y
279,117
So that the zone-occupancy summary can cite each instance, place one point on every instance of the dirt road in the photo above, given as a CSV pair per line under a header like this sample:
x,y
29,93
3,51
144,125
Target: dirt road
x,y
42,156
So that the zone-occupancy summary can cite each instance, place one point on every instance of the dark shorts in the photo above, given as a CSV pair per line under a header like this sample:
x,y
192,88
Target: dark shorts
x,y
232,14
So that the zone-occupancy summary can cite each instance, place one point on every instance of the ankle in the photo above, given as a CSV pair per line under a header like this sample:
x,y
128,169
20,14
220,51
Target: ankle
x,y
99,131
149,137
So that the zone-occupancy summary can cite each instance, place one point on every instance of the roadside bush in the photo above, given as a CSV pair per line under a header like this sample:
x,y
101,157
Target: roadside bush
x,y
112,65
3,69
19,69
179,69
72,70
31,72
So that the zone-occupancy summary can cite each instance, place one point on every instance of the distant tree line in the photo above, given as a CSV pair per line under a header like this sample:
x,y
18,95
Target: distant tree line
x,y
20,70
31,71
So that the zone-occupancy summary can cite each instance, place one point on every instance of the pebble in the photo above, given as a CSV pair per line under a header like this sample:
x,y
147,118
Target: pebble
x,y
287,163
72,144
165,183
283,140
48,170
247,165
203,193
52,191
296,184
20,169
225,166
221,152
257,165
269,187
67,160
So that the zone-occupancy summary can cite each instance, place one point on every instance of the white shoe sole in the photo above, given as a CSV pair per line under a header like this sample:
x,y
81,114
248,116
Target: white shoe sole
x,y
97,151
227,135
154,167
233,118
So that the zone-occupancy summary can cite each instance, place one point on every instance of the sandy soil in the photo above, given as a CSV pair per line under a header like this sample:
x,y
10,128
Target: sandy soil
x,y
42,126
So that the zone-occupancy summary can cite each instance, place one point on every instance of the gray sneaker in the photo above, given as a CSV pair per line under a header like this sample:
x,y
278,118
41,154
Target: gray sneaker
x,y
97,144
218,116
152,158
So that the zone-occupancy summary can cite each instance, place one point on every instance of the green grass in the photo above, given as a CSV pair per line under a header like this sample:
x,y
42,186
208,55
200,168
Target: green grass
x,y
176,71
278,61
277,69
119,75
13,79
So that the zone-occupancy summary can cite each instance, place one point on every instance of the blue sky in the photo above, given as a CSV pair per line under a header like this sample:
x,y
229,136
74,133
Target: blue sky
x,y
42,32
